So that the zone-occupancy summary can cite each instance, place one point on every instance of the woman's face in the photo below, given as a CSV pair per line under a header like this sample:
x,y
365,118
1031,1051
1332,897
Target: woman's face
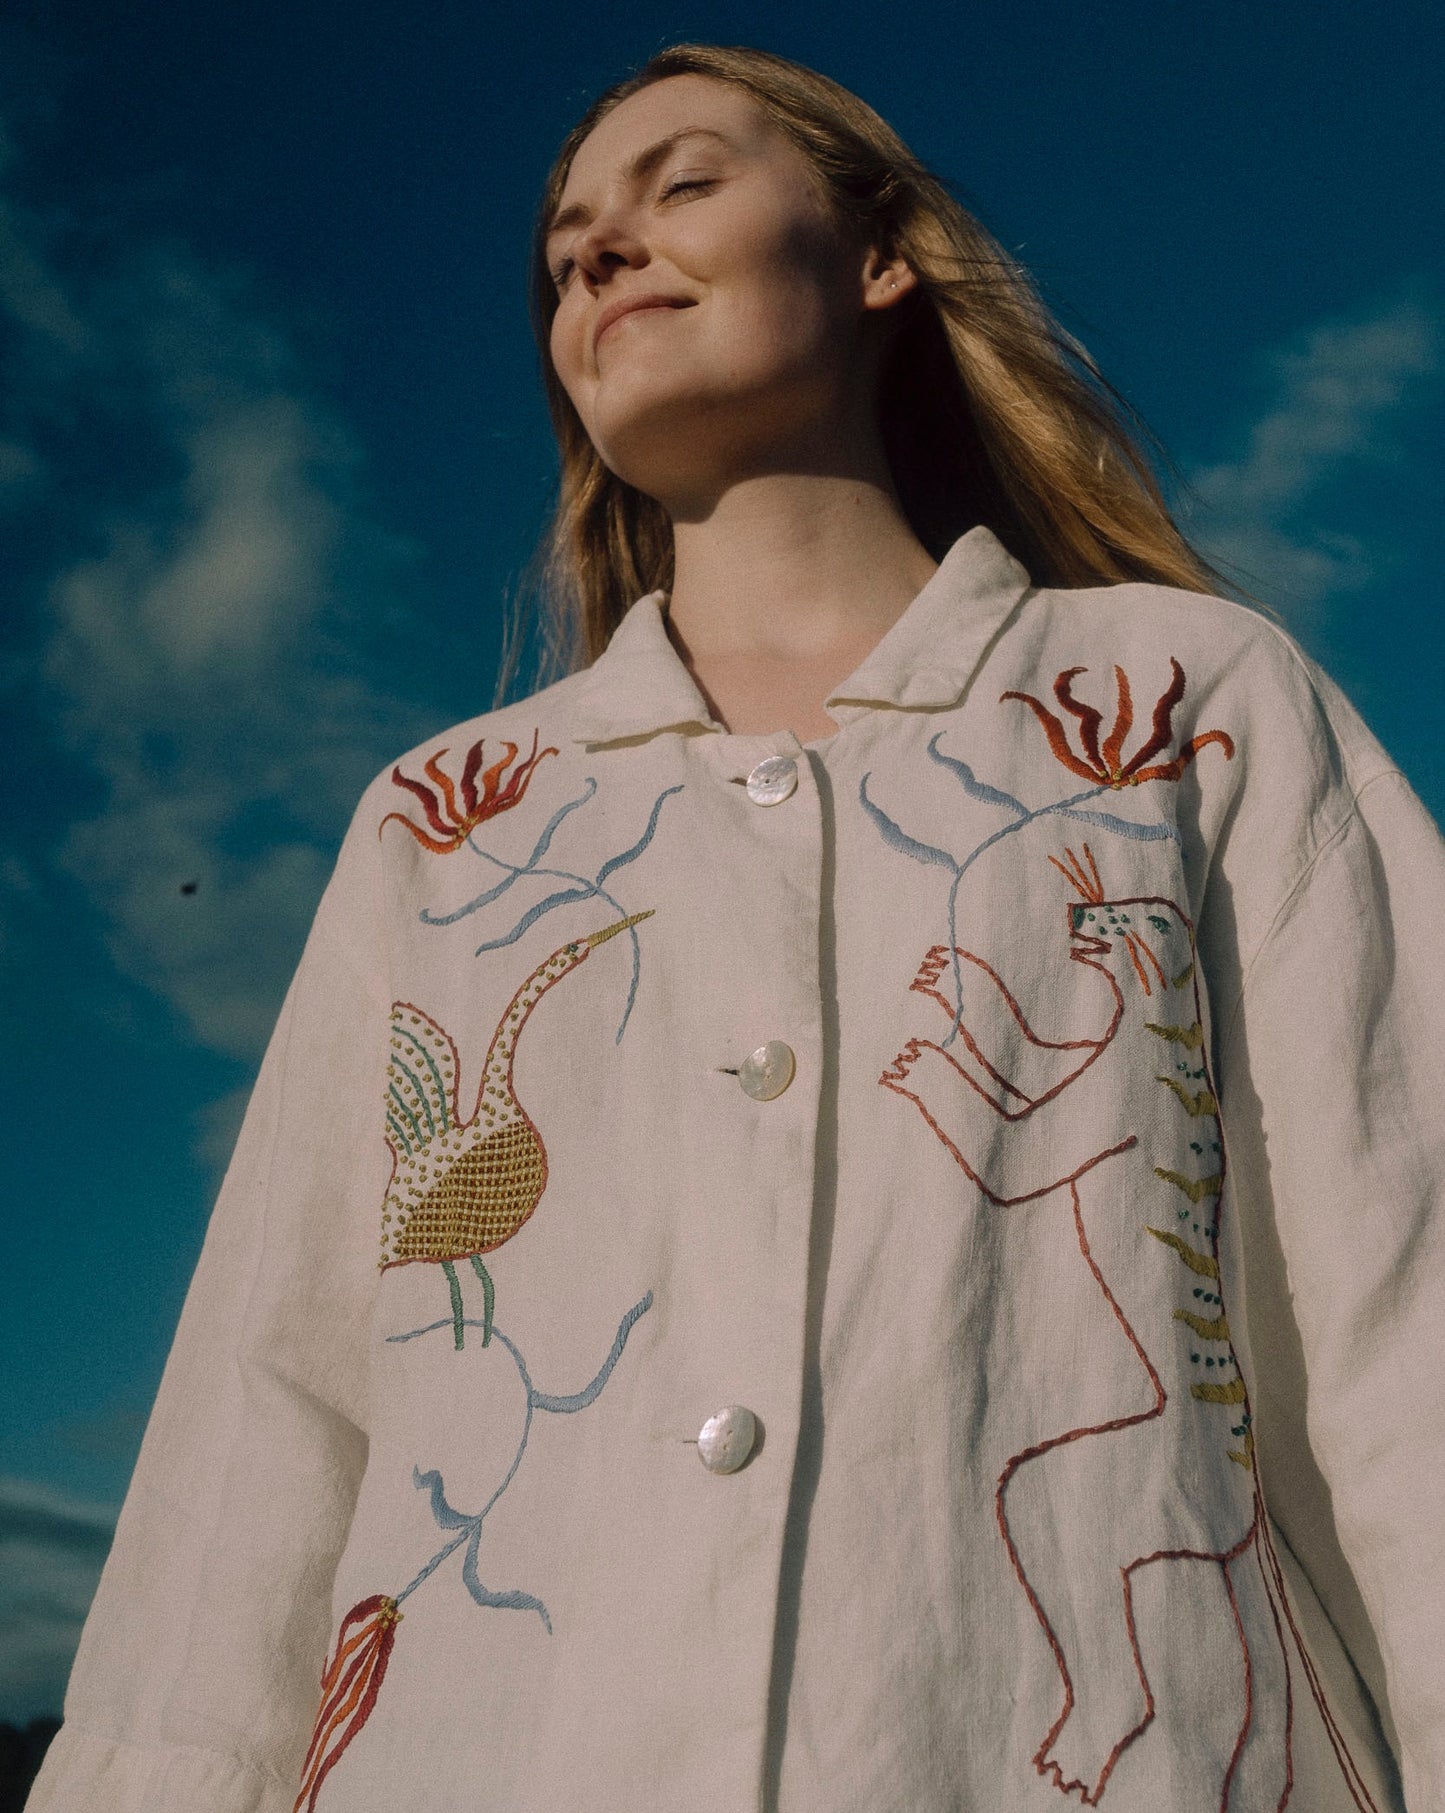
x,y
750,353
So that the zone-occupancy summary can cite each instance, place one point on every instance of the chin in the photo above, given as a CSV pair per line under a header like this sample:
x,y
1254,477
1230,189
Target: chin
x,y
654,437
678,437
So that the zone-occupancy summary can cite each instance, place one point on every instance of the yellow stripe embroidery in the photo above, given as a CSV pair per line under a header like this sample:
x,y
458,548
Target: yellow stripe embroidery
x,y
1212,1328
1197,1262
1232,1393
1197,1102
1190,1037
1195,1188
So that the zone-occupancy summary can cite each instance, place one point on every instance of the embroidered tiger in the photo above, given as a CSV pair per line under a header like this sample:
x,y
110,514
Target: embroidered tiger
x,y
1121,1126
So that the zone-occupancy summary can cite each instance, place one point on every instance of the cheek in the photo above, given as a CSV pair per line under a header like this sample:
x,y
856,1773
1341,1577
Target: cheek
x,y
787,290
566,345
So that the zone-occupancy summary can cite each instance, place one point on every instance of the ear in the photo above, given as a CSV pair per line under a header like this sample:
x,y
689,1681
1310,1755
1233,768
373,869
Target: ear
x,y
886,280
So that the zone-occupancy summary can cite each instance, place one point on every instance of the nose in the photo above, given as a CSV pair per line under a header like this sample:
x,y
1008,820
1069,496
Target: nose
x,y
608,244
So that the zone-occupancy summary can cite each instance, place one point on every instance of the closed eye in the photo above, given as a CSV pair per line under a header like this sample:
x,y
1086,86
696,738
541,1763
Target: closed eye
x,y
564,267
688,182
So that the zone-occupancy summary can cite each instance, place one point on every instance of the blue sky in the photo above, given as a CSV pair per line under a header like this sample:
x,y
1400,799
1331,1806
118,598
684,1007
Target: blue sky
x,y
272,449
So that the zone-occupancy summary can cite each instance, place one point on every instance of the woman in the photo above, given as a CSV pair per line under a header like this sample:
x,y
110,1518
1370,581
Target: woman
x,y
824,1352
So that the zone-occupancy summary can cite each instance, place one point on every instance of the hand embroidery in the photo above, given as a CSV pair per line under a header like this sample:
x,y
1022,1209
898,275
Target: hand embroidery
x,y
1105,763
352,1677
461,1188
454,820
995,1117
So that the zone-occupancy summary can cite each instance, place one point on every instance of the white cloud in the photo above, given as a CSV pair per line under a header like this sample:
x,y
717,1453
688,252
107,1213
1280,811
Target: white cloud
x,y
52,1548
212,559
1339,402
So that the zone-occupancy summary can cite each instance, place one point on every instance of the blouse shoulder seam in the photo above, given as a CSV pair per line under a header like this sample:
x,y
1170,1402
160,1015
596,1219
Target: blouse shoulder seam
x,y
1297,887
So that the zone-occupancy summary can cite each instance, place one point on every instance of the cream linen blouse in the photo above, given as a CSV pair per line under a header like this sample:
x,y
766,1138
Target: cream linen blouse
x,y
896,1276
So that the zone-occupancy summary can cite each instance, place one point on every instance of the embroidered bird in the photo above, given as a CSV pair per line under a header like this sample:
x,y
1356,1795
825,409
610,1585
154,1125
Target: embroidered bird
x,y
461,1188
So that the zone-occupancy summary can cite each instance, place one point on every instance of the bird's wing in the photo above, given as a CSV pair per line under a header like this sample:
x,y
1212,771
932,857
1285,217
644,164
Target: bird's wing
x,y
421,1081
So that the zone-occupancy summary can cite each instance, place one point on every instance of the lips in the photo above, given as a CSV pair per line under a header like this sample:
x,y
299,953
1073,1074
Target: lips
x,y
625,305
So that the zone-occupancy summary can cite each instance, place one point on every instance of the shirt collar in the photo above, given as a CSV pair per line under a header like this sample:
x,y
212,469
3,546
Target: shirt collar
x,y
639,686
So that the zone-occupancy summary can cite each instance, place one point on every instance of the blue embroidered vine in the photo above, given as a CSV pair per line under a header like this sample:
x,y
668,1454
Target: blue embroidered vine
x,y
1075,807
582,887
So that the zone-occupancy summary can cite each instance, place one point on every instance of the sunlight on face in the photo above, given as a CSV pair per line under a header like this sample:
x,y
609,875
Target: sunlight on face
x,y
687,195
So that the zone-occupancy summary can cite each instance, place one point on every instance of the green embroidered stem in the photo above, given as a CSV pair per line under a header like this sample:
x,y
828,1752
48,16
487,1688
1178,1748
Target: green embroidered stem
x,y
489,1297
455,1287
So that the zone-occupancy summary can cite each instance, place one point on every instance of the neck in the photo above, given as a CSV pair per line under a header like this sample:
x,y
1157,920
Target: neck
x,y
784,588
786,564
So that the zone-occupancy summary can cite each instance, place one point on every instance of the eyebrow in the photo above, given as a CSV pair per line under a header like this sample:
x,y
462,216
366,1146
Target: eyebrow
x,y
641,166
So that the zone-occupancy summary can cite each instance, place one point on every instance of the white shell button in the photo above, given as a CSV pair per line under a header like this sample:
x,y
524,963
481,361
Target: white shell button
x,y
773,780
726,1440
768,1071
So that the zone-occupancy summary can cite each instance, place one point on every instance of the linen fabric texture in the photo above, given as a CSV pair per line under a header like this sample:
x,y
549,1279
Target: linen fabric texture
x,y
1085,1281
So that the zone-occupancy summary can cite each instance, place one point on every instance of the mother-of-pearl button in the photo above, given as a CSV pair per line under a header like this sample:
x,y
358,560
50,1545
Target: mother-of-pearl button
x,y
768,1071
726,1440
772,780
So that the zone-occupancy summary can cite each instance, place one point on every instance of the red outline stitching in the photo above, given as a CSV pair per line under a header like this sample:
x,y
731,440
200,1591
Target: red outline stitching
x,y
1087,950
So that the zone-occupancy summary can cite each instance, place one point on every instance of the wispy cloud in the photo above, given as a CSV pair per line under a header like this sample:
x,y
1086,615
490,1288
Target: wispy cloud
x,y
52,1548
1340,402
206,575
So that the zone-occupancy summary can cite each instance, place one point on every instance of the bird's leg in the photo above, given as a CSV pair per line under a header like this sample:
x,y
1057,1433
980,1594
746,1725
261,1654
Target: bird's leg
x,y
489,1297
456,1290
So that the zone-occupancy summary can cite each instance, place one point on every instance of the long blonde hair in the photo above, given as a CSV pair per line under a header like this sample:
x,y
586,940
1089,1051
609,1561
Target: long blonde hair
x,y
990,411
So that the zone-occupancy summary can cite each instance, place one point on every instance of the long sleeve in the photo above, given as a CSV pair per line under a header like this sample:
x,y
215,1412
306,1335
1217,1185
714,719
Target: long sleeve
x,y
196,1679
1334,1077
1018,1126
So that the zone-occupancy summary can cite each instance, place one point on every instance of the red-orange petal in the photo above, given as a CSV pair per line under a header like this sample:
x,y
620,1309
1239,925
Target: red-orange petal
x,y
520,778
429,802
1123,722
1089,718
430,843
1195,744
1054,731
1163,726
433,766
469,777
348,1700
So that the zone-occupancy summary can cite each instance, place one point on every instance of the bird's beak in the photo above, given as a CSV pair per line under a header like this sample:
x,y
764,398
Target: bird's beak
x,y
611,931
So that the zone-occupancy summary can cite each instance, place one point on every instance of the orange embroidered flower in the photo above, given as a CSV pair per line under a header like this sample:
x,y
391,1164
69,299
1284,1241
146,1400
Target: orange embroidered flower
x,y
1103,762
453,819
349,1685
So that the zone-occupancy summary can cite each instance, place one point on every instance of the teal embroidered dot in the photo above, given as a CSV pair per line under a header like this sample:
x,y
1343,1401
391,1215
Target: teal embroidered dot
x,y
1195,1358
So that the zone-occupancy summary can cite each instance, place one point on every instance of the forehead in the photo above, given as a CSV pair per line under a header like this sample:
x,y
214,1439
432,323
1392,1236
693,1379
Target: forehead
x,y
659,110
